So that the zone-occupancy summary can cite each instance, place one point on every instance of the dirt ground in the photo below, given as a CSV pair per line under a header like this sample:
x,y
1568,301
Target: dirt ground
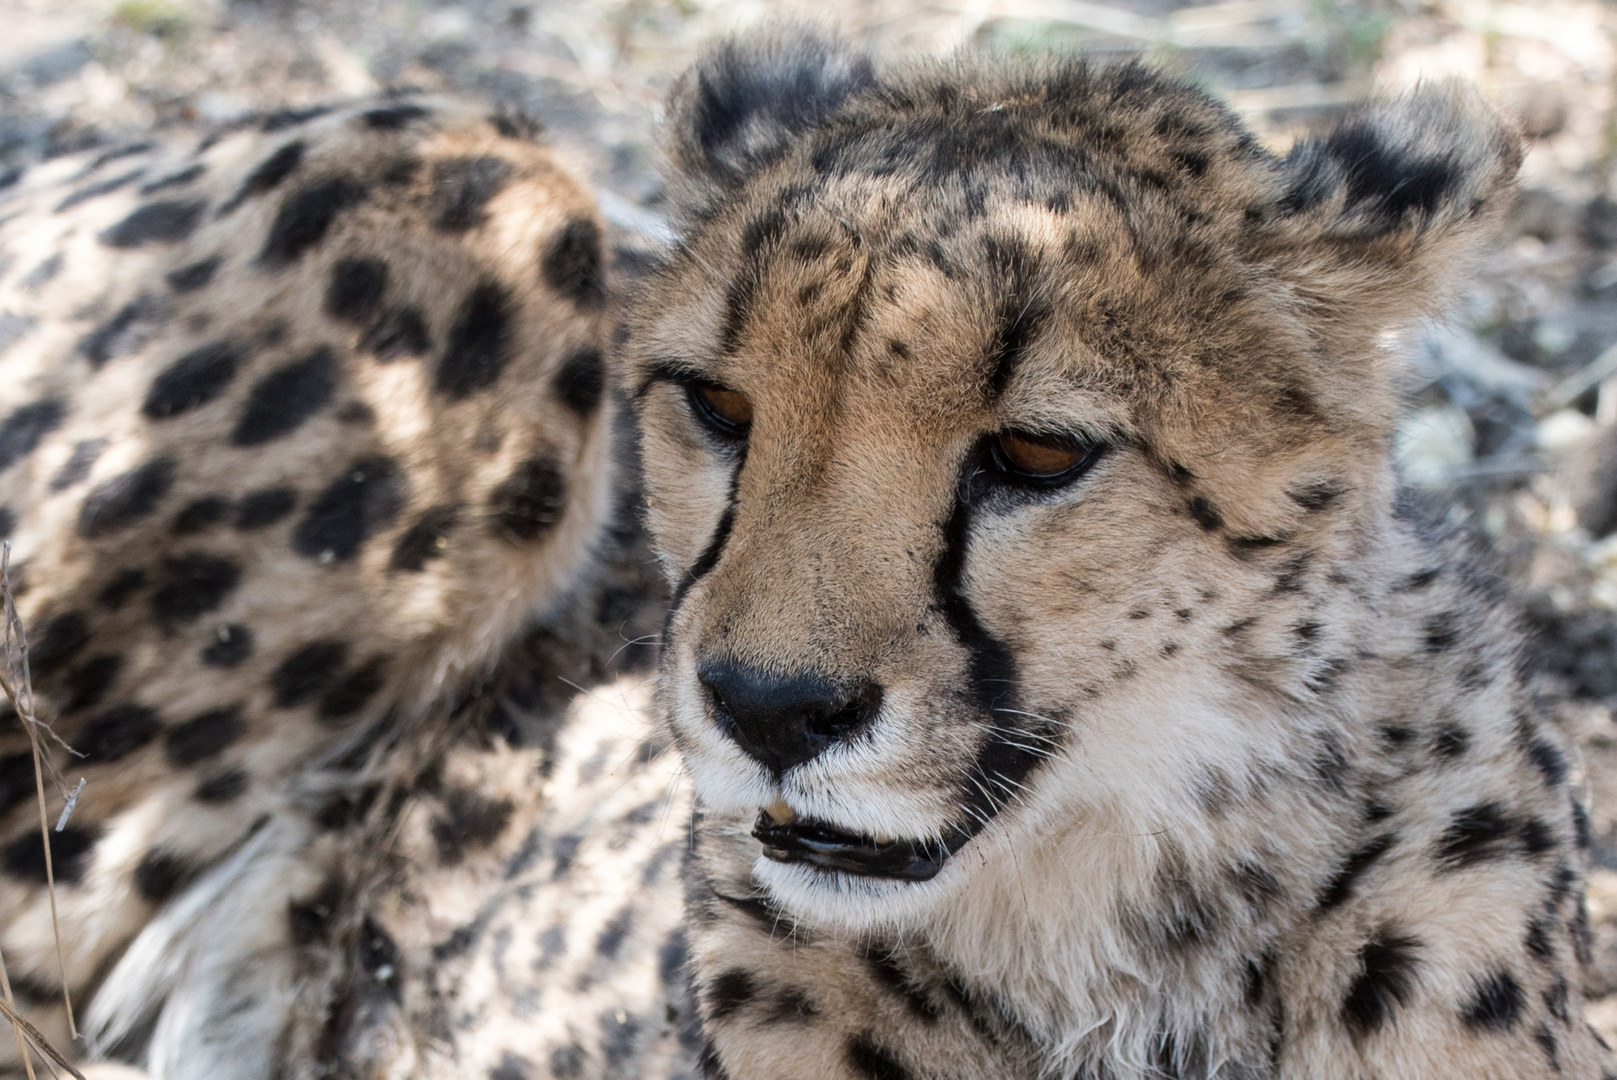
x,y
1513,402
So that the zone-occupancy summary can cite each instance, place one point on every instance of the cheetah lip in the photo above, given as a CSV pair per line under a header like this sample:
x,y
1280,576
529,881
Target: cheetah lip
x,y
820,845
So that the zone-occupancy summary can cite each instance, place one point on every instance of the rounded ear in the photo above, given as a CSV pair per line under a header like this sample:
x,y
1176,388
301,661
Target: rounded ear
x,y
744,101
1378,221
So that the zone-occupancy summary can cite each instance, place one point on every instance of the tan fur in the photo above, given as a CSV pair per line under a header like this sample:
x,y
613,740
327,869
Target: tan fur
x,y
1230,749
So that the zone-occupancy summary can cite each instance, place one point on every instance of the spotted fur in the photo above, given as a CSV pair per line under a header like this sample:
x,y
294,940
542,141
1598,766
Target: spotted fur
x,y
1212,760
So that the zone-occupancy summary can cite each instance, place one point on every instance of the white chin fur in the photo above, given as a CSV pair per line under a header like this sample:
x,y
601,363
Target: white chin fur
x,y
829,900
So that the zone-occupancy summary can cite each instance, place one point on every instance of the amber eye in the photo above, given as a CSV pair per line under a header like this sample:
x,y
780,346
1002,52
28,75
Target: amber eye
x,y
1043,459
727,412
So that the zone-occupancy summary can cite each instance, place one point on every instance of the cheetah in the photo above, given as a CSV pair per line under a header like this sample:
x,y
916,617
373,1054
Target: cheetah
x,y
305,428
1066,687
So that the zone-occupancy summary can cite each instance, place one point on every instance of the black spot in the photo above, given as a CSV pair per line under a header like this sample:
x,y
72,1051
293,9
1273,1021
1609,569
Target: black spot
x,y
461,187
24,857
194,379
1019,316
1385,980
355,290
305,217
307,672
23,430
123,500
511,1067
353,507
124,584
355,689
174,179
198,515
514,122
1376,178
1442,631
261,508
1537,940
192,585
580,380
8,522
427,539
381,959
55,644
571,263
529,502
308,920
567,1062
78,465
126,332
1340,887
399,332
117,732
164,222
872,1062
1316,496
159,875
1537,837
1495,1004
468,821
479,343
205,735
281,119
98,189
222,787
1549,761
1421,579
729,992
193,276
270,172
1556,998
89,682
391,117
282,400
1580,825
16,779
232,643
885,966
614,934
1451,741
1477,834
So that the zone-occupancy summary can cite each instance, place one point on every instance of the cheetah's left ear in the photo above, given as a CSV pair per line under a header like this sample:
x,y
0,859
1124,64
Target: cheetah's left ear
x,y
1378,221
744,101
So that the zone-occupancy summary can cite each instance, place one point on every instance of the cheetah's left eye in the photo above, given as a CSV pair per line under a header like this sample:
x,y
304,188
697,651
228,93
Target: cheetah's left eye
x,y
727,412
1043,460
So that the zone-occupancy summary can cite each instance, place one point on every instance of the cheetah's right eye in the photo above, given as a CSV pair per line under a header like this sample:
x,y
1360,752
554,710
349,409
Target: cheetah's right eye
x,y
727,413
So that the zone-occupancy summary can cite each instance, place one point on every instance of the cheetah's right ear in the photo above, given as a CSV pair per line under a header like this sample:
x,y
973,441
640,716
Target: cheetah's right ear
x,y
739,107
1377,221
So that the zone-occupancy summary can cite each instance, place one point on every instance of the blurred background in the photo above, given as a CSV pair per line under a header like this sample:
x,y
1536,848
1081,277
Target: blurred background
x,y
1512,401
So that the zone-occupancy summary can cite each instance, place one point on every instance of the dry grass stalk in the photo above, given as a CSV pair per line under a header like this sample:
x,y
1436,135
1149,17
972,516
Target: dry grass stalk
x,y
16,1024
40,1043
16,678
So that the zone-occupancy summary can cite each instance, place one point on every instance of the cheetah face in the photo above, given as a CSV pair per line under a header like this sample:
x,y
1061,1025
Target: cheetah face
x,y
981,414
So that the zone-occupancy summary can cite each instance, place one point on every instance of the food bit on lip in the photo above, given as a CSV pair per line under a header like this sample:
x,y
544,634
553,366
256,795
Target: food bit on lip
x,y
882,838
780,813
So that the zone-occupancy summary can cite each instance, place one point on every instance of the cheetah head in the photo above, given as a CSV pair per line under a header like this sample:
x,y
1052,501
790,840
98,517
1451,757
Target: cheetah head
x,y
1007,425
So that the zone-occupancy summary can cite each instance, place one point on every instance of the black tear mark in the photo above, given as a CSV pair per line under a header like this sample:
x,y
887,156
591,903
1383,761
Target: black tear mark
x,y
27,427
479,344
270,172
1495,1003
355,289
125,499
571,263
364,499
307,672
461,189
164,222
530,502
305,217
193,380
281,401
1387,965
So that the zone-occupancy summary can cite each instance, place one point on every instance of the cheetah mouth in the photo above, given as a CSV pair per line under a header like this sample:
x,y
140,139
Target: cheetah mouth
x,y
826,848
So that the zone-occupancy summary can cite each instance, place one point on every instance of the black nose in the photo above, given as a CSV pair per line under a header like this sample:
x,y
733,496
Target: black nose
x,y
785,720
